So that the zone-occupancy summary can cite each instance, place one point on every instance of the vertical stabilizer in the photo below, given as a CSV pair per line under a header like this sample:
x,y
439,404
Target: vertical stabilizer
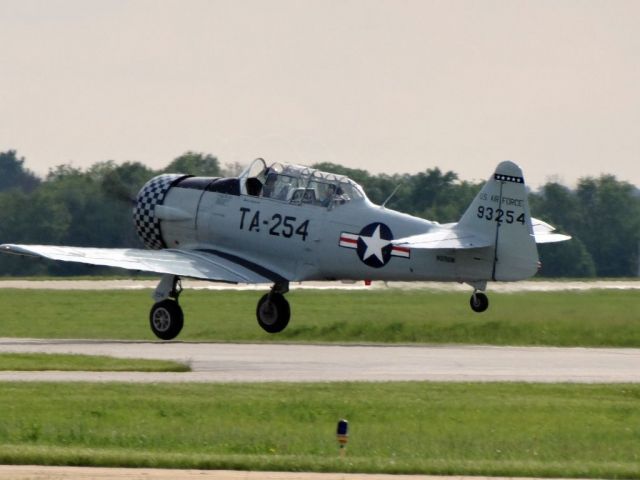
x,y
500,214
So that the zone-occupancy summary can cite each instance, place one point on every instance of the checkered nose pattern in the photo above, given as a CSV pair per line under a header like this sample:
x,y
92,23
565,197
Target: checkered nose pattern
x,y
152,194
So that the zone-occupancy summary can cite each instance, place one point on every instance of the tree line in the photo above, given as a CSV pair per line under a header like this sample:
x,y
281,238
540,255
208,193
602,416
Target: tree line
x,y
92,207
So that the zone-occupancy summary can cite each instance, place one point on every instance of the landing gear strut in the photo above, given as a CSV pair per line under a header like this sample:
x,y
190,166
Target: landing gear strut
x,y
166,318
273,311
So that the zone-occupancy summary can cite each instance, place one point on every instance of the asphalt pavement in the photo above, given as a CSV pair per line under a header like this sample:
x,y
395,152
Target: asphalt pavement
x,y
224,362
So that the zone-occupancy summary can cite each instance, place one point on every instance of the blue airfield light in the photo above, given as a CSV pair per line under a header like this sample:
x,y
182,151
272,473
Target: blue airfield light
x,y
342,433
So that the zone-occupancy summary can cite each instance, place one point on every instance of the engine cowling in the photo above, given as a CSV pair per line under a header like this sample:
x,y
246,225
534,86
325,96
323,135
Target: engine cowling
x,y
149,197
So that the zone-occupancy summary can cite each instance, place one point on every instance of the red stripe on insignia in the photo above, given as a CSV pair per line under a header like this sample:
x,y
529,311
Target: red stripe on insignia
x,y
401,251
348,240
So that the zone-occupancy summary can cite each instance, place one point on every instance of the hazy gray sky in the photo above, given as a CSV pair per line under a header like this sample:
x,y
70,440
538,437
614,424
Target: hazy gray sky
x,y
389,86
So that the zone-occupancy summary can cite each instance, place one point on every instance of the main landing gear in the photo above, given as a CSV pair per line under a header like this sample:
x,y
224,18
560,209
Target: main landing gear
x,y
479,301
166,318
273,310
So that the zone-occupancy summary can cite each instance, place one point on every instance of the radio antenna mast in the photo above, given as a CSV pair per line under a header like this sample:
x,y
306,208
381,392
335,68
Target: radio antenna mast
x,y
392,194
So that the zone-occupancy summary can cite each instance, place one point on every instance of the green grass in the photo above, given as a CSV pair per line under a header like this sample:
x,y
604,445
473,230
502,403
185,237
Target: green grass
x,y
475,429
89,363
589,318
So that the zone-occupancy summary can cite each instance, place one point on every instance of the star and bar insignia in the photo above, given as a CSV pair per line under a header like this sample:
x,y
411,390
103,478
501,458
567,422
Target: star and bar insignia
x,y
373,245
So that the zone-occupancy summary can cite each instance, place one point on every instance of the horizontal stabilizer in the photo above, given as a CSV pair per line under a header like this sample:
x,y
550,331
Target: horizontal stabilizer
x,y
551,237
204,264
443,239
543,232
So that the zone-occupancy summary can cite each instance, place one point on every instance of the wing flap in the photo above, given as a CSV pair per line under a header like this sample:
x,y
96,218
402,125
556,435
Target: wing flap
x,y
207,265
443,239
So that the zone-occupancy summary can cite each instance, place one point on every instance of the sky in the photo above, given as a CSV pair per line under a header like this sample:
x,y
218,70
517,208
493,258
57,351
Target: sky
x,y
390,86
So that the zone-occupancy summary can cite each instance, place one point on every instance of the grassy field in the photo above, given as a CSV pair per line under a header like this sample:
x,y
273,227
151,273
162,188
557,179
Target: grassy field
x,y
591,318
90,363
480,429
476,429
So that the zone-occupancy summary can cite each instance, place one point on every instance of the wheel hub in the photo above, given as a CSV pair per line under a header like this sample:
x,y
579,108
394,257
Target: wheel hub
x,y
268,313
161,319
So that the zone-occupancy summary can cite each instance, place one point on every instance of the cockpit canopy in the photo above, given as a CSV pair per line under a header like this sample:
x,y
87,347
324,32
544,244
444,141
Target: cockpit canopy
x,y
298,184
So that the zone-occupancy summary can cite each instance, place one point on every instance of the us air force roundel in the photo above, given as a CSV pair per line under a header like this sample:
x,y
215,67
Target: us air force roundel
x,y
373,245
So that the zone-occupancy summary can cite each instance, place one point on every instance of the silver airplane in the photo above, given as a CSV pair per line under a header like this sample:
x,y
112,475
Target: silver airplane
x,y
284,223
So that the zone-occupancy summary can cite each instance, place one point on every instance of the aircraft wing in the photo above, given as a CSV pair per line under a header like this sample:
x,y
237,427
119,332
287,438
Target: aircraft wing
x,y
204,264
543,232
443,239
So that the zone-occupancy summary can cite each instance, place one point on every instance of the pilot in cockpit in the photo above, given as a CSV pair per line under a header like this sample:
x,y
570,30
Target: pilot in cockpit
x,y
334,195
269,184
329,195
283,192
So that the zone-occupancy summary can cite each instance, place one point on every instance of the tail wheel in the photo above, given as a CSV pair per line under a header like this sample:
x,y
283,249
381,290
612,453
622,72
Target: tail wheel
x,y
166,319
479,302
273,312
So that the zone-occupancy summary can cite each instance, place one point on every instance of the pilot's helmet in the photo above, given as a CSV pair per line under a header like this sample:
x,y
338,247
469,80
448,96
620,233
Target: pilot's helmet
x,y
271,177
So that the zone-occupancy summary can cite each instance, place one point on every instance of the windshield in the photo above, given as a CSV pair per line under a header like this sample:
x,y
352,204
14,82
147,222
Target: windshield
x,y
298,184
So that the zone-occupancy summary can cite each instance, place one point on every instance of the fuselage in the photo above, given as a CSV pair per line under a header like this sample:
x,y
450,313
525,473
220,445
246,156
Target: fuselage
x,y
308,240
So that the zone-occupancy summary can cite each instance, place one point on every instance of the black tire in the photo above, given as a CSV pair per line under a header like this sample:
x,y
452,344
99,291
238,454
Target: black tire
x,y
166,319
273,312
479,302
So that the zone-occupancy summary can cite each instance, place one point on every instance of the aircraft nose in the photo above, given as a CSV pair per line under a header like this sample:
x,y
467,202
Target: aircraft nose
x,y
149,197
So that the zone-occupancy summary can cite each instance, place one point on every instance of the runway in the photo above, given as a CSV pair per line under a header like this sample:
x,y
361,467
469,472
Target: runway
x,y
222,362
